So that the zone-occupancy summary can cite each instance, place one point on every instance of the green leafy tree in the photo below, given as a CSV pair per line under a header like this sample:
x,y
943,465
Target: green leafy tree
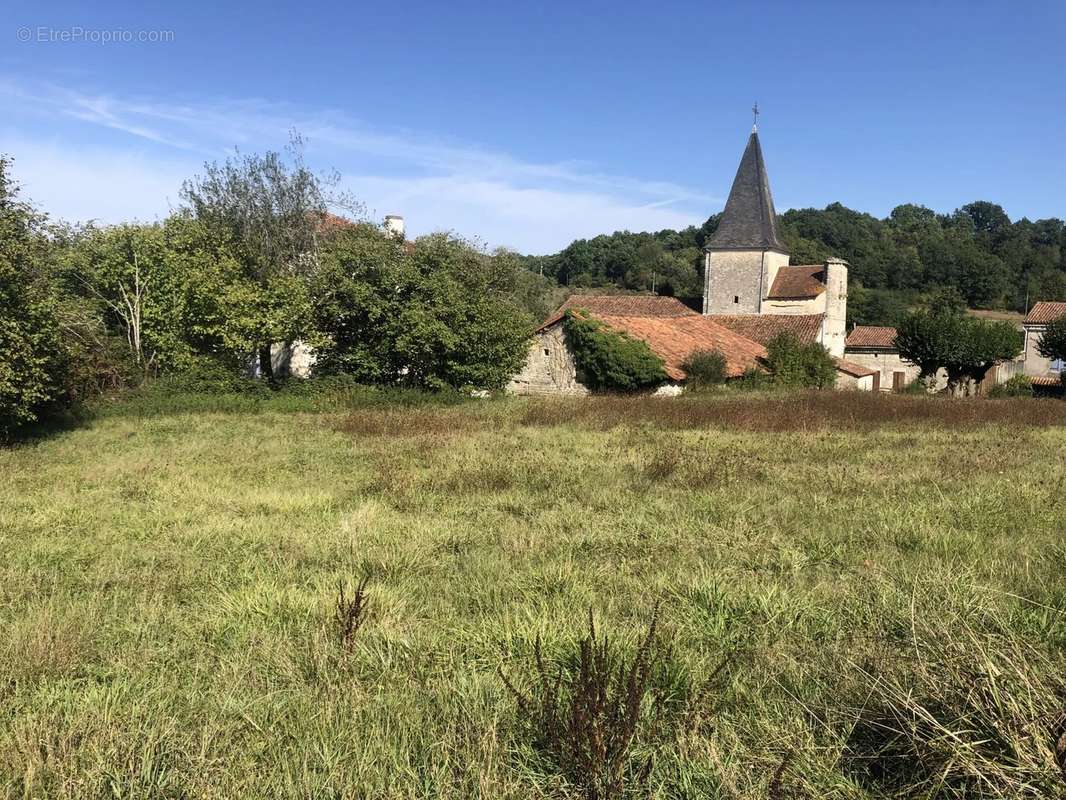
x,y
983,345
273,212
438,315
795,364
876,306
1053,341
946,300
927,340
965,347
141,289
609,360
30,353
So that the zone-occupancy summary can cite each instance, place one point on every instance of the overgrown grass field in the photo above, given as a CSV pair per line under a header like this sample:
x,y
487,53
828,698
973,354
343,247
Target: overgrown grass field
x,y
856,597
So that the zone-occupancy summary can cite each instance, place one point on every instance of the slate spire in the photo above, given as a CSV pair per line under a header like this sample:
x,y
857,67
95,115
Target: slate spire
x,y
748,221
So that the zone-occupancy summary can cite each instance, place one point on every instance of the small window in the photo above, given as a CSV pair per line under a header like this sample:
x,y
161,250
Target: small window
x,y
736,298
547,352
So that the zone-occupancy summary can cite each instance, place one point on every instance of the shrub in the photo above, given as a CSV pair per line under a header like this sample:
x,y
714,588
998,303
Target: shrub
x,y
95,361
30,364
795,364
587,720
608,360
350,612
705,369
207,375
920,386
1018,386
754,379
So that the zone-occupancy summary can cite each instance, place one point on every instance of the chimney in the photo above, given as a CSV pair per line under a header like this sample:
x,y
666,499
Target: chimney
x,y
836,305
394,226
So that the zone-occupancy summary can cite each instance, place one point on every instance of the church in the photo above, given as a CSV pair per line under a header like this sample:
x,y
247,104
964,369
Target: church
x,y
751,293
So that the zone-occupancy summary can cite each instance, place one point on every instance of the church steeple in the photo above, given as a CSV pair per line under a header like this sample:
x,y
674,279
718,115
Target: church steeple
x,y
748,221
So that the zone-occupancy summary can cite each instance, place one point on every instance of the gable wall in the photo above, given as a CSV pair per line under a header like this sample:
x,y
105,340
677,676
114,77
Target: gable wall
x,y
1034,363
553,372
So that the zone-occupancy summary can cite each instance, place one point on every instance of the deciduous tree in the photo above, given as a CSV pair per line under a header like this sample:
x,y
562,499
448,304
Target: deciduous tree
x,y
30,356
1053,340
439,314
273,210
965,347
800,365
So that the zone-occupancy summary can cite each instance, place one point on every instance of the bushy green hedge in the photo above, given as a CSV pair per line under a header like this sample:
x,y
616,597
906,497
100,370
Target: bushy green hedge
x,y
800,365
705,370
609,361
1018,386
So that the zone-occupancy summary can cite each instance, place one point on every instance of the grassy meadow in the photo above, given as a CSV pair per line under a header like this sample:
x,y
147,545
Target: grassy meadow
x,y
856,597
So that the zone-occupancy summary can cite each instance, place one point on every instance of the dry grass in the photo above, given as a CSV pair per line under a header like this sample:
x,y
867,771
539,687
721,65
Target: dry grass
x,y
425,422
793,412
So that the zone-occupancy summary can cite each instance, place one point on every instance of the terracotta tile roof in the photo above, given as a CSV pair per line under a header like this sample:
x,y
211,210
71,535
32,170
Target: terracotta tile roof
x,y
762,328
798,283
1045,312
872,336
851,368
673,339
622,305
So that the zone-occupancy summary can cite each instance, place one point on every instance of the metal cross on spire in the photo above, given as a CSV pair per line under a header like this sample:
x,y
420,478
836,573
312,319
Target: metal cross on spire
x,y
754,117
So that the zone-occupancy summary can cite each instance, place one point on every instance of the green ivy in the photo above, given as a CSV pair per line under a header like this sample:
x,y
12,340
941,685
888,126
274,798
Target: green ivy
x,y
610,361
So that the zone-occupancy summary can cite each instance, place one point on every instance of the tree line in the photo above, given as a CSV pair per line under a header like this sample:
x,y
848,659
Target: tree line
x,y
895,262
254,256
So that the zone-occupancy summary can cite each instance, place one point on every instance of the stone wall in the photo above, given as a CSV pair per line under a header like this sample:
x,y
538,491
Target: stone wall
x,y
735,281
864,383
887,364
811,305
549,367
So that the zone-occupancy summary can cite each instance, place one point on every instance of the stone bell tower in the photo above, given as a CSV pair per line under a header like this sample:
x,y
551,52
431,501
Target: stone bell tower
x,y
744,254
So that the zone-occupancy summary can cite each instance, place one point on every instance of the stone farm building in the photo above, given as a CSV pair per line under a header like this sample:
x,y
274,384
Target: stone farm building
x,y
751,294
1040,368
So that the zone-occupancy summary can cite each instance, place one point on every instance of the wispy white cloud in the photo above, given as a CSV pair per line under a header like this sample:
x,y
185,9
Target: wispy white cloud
x,y
436,184
92,183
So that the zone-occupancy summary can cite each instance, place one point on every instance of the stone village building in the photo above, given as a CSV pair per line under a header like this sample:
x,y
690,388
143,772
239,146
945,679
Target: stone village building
x,y
1041,369
874,347
751,294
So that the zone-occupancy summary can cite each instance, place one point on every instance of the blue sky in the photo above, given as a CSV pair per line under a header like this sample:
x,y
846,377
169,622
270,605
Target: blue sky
x,y
527,125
